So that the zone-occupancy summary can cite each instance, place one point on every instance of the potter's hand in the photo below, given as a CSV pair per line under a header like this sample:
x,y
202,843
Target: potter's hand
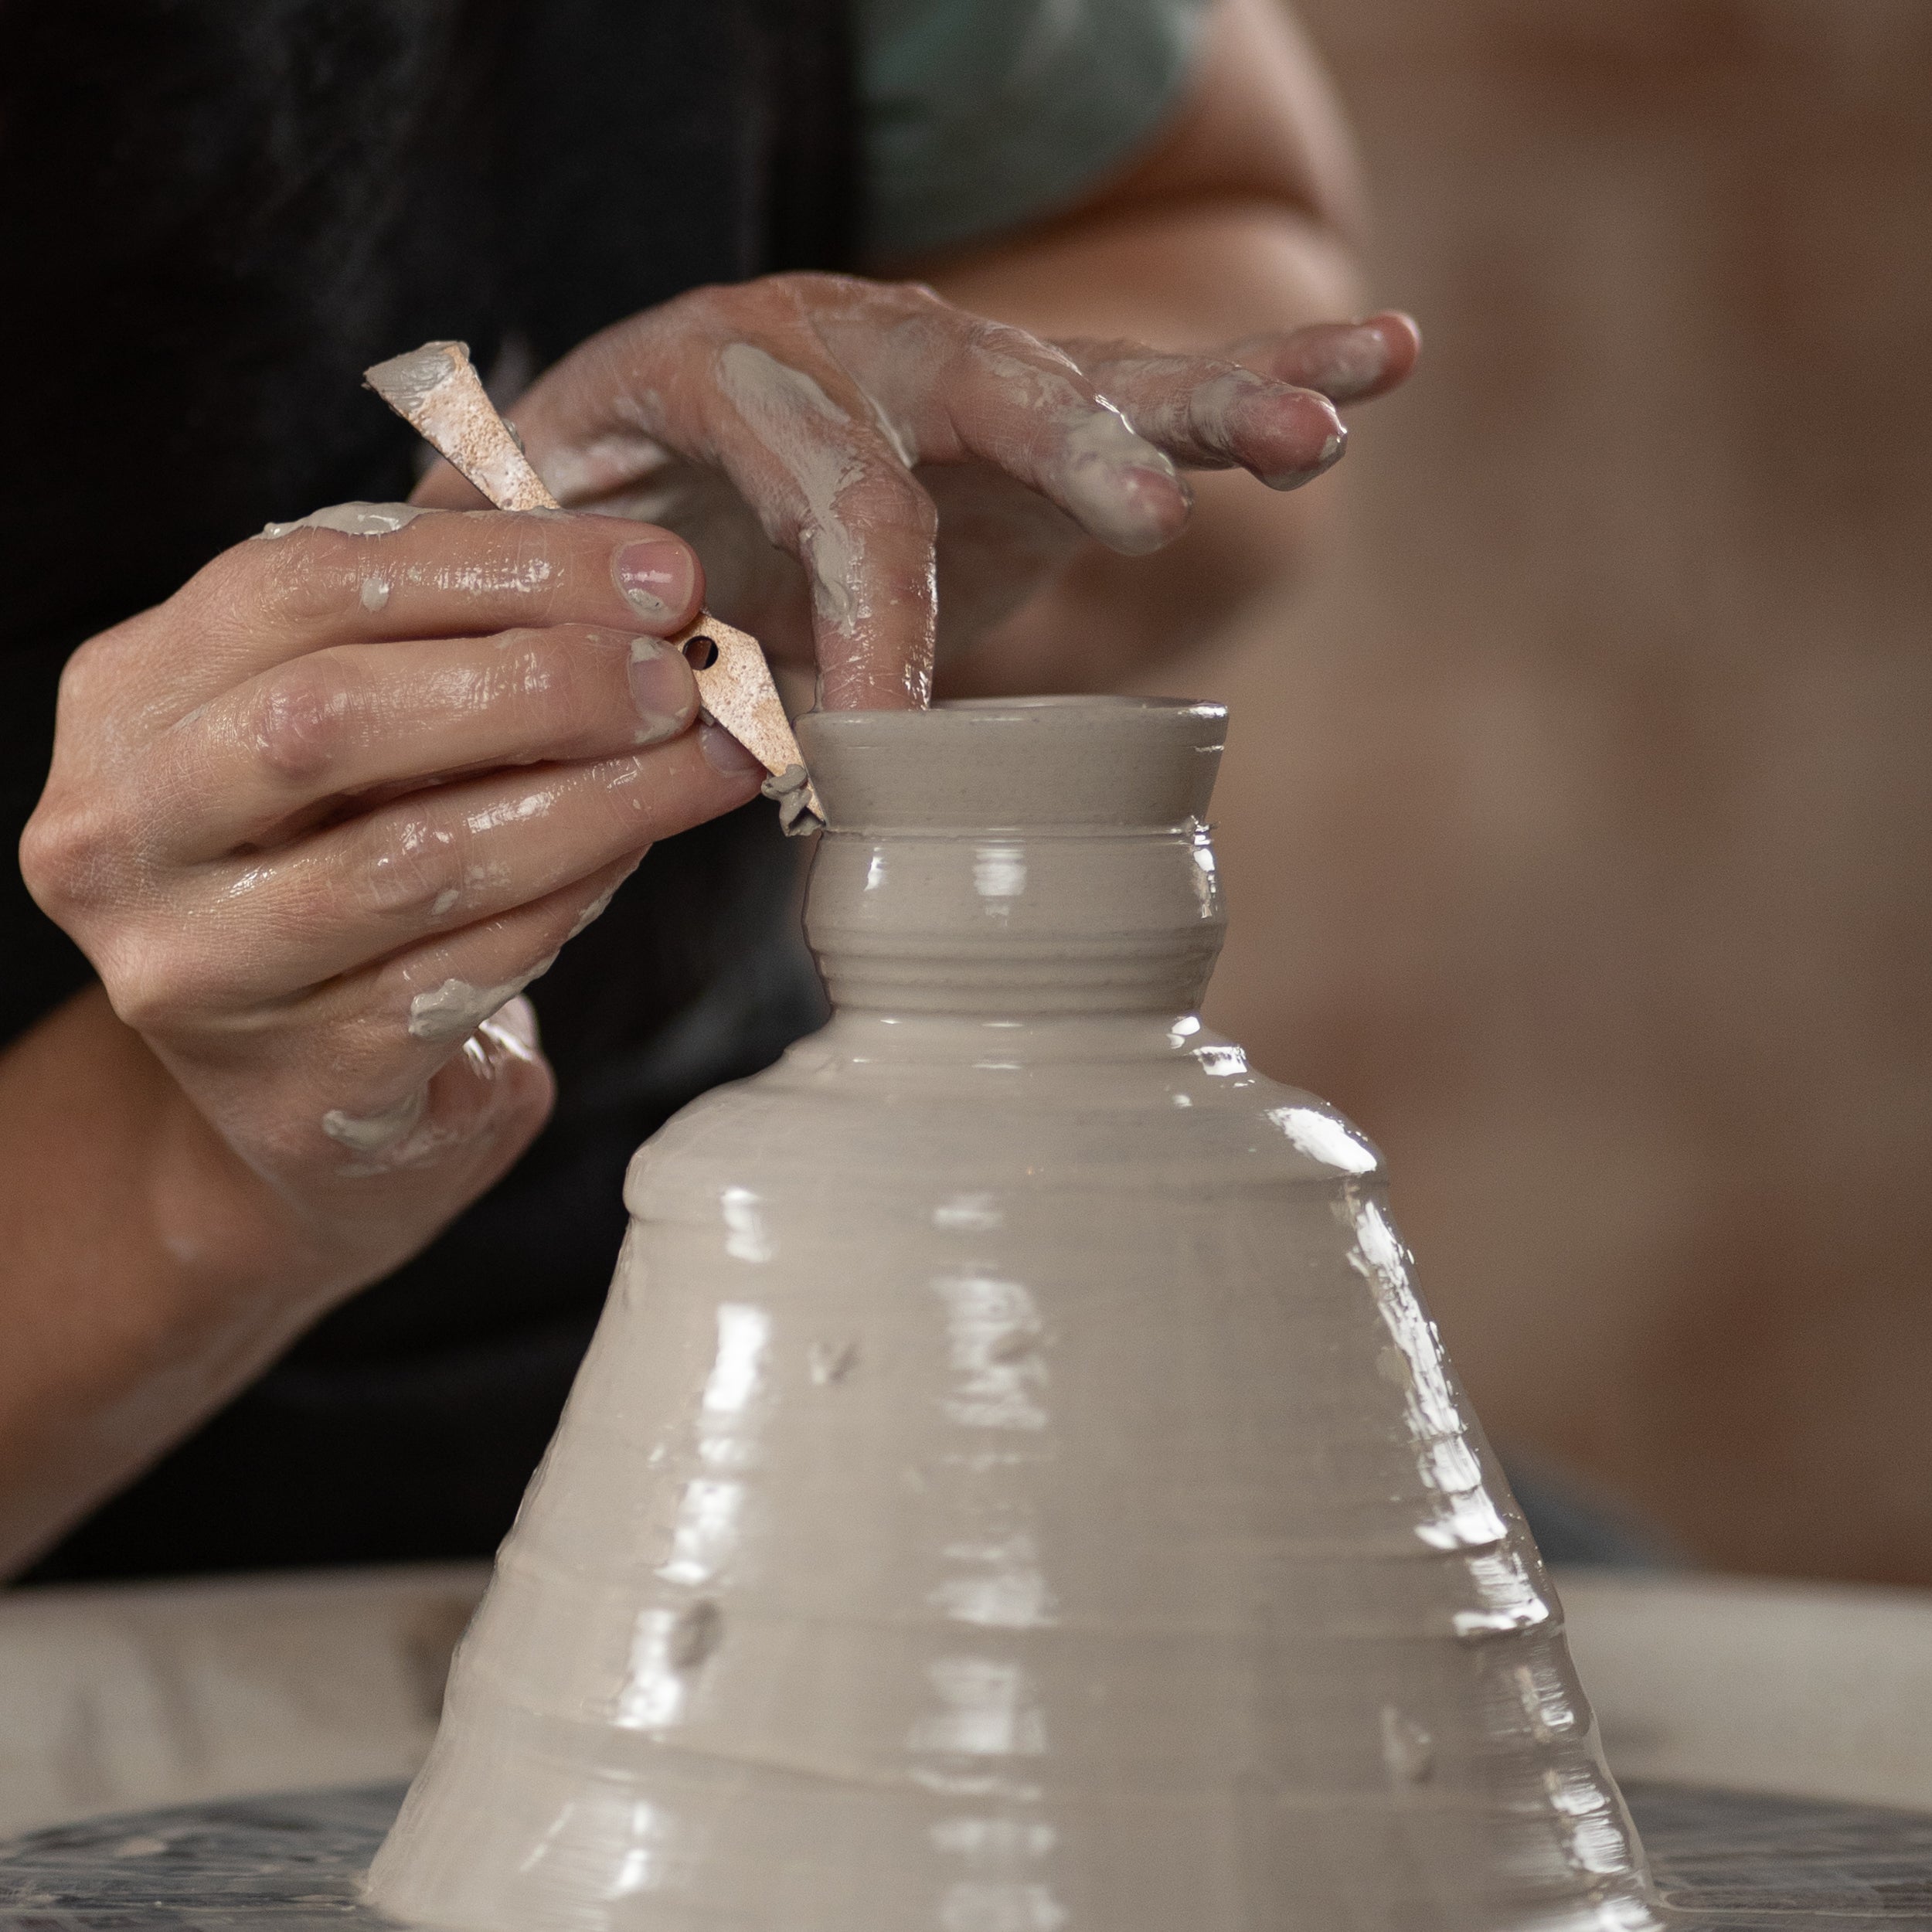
x,y
316,819
913,458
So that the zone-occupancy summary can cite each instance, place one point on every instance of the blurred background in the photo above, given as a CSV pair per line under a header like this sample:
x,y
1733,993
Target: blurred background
x,y
1577,823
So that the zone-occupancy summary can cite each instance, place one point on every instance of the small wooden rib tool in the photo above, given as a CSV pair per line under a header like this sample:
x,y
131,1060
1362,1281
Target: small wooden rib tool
x,y
437,391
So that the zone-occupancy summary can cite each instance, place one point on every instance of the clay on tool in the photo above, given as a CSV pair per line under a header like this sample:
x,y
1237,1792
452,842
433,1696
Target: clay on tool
x,y
1016,1486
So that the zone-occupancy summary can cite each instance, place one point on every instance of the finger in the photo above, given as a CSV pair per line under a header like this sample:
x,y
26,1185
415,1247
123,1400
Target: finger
x,y
417,1003
255,763
1209,413
437,575
834,491
470,1118
957,387
477,850
1347,362
819,472
488,1099
362,1054
268,928
361,1063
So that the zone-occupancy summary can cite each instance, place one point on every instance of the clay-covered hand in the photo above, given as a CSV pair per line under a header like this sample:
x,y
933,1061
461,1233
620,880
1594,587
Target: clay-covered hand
x,y
319,817
861,463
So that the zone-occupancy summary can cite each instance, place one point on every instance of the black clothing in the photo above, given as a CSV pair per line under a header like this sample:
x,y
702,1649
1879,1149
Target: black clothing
x,y
212,217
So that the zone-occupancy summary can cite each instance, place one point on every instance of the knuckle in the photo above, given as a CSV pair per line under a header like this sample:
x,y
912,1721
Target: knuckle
x,y
980,336
107,694
556,684
85,678
296,720
297,580
70,852
725,310
563,692
792,290
887,496
920,295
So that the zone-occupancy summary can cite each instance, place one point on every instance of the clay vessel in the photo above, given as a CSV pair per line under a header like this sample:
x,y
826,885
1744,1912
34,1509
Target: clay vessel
x,y
1015,1486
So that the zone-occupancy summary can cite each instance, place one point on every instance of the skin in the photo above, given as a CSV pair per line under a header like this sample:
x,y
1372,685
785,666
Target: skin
x,y
316,815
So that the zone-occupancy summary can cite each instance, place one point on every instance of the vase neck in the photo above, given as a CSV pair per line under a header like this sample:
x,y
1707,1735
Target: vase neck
x,y
1045,857
1011,924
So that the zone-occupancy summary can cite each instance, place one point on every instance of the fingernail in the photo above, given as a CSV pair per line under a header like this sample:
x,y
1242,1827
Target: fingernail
x,y
662,688
1155,502
1357,360
724,754
655,575
1331,454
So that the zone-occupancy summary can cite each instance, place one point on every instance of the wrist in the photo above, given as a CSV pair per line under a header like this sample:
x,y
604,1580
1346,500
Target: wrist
x,y
229,1239
148,1274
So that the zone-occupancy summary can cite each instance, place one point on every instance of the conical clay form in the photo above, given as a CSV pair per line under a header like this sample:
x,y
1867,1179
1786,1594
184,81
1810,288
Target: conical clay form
x,y
1015,1486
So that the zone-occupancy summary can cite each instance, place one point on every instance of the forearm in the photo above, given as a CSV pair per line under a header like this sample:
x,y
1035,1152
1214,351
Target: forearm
x,y
1185,275
148,1275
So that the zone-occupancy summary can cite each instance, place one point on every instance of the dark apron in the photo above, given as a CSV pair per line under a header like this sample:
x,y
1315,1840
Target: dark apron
x,y
212,217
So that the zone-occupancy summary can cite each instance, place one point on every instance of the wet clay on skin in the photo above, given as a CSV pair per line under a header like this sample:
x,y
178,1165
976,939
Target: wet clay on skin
x,y
370,1133
356,519
1015,1483
456,1008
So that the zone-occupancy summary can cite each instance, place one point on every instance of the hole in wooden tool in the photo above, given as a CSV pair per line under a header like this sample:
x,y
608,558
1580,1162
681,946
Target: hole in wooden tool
x,y
701,653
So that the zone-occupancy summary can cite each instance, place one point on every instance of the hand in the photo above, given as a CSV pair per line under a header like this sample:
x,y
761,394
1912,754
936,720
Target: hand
x,y
870,472
318,819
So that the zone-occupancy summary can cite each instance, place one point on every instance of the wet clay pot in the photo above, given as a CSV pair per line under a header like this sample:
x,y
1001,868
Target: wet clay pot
x,y
1015,1486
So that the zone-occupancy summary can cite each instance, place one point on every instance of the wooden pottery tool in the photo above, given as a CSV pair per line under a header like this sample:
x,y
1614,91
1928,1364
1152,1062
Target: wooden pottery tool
x,y
436,389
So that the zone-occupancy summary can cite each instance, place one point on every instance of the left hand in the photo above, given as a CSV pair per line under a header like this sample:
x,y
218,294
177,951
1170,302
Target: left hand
x,y
840,451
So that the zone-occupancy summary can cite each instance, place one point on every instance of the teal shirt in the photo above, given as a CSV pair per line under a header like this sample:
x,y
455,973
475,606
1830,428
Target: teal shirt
x,y
980,115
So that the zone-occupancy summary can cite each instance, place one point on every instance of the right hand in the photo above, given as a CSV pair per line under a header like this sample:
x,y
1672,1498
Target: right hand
x,y
318,819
